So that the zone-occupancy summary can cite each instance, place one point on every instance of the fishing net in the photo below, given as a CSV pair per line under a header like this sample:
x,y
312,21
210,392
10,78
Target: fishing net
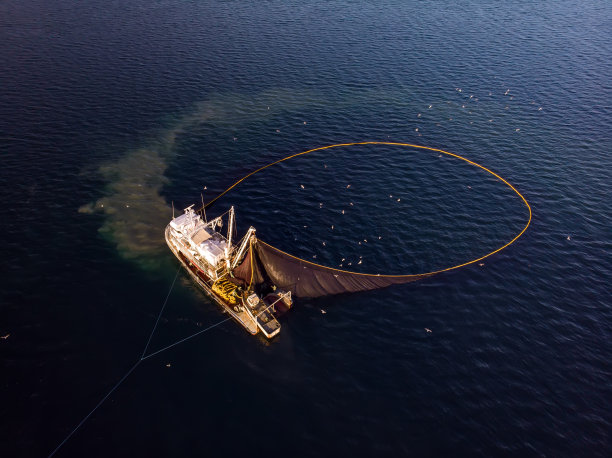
x,y
264,263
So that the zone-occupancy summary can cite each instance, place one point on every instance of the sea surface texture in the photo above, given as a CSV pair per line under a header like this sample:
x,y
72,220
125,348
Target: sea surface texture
x,y
114,112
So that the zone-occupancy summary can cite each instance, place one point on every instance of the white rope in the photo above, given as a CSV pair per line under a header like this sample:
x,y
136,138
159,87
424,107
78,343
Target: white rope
x,y
186,338
142,358
160,312
95,408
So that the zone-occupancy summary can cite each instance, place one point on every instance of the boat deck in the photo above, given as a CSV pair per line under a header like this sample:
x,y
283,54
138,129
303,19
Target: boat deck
x,y
239,314
246,321
266,321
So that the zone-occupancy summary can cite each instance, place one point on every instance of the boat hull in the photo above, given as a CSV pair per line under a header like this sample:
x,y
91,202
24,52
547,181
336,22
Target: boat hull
x,y
202,279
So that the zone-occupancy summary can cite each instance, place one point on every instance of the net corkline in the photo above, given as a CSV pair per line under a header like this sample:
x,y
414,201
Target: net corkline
x,y
345,277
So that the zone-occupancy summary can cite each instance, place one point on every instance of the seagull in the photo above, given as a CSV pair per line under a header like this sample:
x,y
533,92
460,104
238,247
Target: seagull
x,y
517,130
168,365
419,115
314,256
5,337
399,200
351,204
348,186
568,238
379,237
359,262
323,312
323,243
430,106
481,264
304,122
343,212
302,186
342,259
540,109
332,227
417,129
365,240
428,330
506,93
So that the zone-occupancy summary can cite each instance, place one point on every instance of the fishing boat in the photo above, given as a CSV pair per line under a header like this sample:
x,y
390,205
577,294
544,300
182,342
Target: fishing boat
x,y
225,271
251,280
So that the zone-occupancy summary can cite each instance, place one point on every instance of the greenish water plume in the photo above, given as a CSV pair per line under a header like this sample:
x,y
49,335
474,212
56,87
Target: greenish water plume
x,y
135,210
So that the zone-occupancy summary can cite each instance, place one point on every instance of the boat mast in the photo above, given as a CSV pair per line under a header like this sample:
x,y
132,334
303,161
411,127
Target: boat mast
x,y
228,248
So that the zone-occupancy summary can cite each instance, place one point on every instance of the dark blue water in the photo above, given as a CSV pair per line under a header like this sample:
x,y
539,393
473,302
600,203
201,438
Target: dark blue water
x,y
111,111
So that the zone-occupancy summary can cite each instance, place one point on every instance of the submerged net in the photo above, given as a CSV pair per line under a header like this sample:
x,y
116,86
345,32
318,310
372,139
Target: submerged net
x,y
264,263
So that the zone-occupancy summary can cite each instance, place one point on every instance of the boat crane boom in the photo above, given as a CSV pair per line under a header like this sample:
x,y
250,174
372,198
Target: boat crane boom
x,y
243,245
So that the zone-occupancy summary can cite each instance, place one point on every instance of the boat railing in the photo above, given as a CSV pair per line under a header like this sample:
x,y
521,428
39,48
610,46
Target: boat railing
x,y
282,296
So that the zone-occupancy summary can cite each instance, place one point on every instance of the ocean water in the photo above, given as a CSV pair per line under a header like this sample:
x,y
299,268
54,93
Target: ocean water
x,y
111,113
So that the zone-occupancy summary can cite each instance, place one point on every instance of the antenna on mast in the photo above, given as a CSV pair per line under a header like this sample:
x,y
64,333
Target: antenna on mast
x,y
203,206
